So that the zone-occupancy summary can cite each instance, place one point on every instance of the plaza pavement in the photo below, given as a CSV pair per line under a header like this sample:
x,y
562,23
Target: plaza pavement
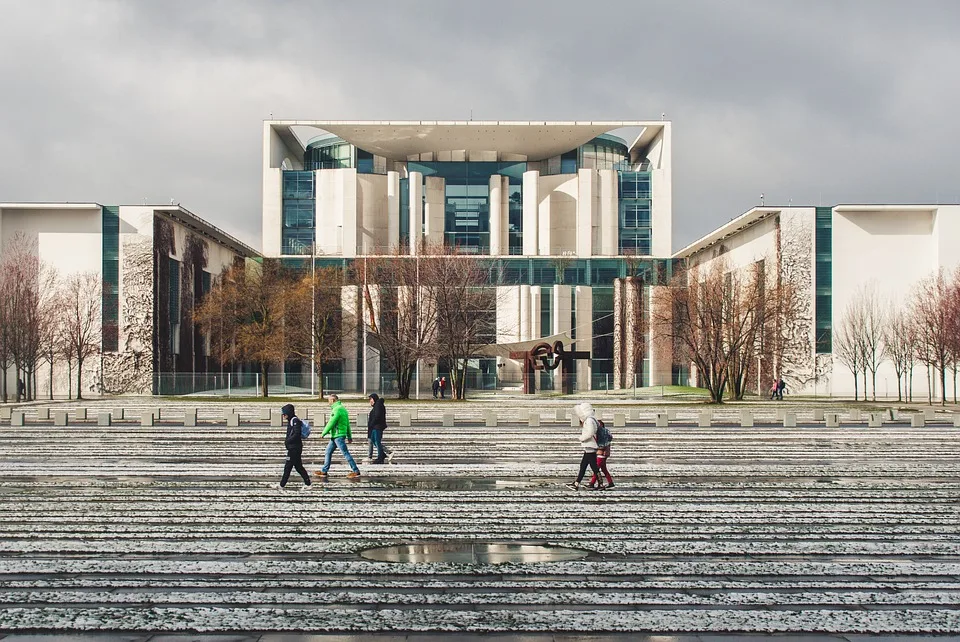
x,y
722,532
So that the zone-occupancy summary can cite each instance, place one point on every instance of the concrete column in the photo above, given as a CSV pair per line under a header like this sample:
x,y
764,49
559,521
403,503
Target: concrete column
x,y
531,210
544,223
416,212
393,210
632,330
609,213
618,325
585,198
536,306
351,231
661,345
496,214
349,299
505,215
562,300
584,334
434,205
525,313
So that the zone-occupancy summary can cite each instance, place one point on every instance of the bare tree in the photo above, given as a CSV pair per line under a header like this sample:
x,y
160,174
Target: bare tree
x,y
871,320
402,318
900,341
932,311
245,315
320,294
81,330
6,322
848,348
713,320
465,310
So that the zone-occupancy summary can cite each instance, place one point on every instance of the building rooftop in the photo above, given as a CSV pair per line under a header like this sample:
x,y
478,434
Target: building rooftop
x,y
398,140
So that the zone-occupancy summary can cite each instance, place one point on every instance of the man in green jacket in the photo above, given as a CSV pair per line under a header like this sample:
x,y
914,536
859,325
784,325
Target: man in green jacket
x,y
338,429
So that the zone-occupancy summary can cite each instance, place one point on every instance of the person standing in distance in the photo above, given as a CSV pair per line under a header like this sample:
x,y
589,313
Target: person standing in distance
x,y
338,429
588,441
294,444
376,424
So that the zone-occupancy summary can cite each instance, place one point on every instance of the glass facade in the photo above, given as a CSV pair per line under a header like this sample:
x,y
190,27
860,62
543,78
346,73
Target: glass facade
x,y
328,153
404,214
603,152
299,212
467,200
110,305
823,303
635,228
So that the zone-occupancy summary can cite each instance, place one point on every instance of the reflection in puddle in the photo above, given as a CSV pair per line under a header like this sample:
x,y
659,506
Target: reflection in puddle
x,y
472,553
459,483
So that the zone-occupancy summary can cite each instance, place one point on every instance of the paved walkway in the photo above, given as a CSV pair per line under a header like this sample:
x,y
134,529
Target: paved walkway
x,y
142,532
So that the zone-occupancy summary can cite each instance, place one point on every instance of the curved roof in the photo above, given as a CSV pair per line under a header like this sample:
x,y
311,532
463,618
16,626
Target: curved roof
x,y
399,140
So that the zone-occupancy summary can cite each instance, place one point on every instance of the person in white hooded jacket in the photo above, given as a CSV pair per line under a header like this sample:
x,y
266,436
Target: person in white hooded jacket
x,y
588,440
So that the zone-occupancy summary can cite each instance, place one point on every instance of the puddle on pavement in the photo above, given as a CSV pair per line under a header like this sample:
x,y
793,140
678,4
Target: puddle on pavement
x,y
459,483
472,553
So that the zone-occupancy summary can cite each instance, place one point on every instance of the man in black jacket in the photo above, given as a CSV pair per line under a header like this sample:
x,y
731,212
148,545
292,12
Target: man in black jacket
x,y
294,444
376,424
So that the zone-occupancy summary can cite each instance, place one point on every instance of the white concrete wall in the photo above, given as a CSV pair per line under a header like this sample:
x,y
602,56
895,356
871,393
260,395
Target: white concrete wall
x,y
434,205
336,211
416,212
558,214
587,208
393,211
531,212
272,231
609,213
584,339
661,185
373,219
496,215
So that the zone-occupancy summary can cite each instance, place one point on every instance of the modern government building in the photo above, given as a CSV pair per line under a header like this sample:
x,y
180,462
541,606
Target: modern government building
x,y
576,217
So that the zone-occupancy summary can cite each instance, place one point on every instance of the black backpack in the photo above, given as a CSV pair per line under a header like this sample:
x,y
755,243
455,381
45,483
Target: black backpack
x,y
604,436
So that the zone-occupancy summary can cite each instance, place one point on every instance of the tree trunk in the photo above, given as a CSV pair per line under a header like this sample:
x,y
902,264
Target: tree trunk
x,y
319,380
899,389
929,387
51,380
79,378
69,379
4,385
264,385
856,391
873,379
943,385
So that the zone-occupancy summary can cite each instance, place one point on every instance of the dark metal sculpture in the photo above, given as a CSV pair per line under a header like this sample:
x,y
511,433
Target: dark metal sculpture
x,y
543,356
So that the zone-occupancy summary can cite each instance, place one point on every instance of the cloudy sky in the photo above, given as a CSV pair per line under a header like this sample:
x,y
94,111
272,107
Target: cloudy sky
x,y
806,101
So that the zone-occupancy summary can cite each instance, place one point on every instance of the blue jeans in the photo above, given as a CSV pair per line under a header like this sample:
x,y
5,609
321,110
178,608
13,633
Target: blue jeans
x,y
376,440
341,443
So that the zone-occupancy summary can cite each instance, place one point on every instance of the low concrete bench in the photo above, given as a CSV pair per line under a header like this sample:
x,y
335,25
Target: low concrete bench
x,y
746,419
534,421
818,414
43,414
671,415
60,418
789,420
619,420
875,420
855,415
490,421
917,421
104,418
80,414
414,414
404,419
523,415
266,414
147,418
662,420
190,417
928,414
276,420
16,418
832,419
362,418
5,412
780,414
561,415
448,420
633,414
574,420
233,420
956,420
705,420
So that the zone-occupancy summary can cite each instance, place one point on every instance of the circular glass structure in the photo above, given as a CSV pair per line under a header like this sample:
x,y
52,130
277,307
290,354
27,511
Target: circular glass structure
x,y
473,553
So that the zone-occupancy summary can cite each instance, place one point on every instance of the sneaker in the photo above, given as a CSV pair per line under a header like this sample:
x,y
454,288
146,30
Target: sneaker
x,y
608,486
353,475
573,486
390,457
320,474
306,487
279,486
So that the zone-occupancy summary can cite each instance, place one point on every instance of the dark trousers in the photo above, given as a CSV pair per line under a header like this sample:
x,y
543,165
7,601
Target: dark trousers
x,y
294,460
588,459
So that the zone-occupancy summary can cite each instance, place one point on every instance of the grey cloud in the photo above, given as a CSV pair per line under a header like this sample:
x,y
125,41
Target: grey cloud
x,y
809,101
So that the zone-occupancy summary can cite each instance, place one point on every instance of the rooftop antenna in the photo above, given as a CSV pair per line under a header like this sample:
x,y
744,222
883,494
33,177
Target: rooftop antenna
x,y
761,199
271,115
171,201
471,113
663,115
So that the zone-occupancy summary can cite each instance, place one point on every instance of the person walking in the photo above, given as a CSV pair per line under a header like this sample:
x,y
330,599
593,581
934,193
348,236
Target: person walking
x,y
781,386
443,387
436,387
294,445
603,454
338,429
376,424
774,389
588,441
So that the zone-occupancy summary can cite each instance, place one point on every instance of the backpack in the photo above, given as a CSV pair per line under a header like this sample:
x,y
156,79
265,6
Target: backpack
x,y
304,429
604,436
